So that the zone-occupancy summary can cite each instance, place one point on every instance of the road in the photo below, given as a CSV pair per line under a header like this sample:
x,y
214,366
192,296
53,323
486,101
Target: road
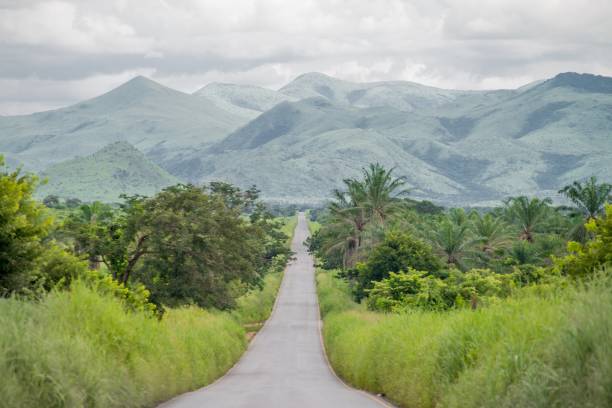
x,y
285,365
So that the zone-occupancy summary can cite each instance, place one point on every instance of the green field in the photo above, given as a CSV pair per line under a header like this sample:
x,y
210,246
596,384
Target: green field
x,y
534,350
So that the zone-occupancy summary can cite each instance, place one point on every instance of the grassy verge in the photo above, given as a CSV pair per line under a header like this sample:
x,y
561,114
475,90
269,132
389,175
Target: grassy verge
x,y
313,226
289,224
530,351
255,307
80,348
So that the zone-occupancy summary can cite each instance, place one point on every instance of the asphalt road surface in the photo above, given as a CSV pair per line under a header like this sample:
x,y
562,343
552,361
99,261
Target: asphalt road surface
x,y
285,365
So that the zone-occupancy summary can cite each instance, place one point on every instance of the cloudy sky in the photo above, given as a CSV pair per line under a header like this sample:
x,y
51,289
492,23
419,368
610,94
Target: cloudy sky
x,y
54,53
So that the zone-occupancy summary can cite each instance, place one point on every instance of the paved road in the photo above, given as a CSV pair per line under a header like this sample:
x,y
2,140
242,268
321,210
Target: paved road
x,y
285,365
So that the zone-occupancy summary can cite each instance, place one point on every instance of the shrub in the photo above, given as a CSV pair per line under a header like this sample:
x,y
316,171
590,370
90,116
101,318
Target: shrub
x,y
396,253
585,259
418,289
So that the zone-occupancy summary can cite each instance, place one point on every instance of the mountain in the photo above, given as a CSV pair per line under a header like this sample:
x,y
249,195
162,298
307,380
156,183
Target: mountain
x,y
453,146
116,169
298,143
399,95
243,100
158,120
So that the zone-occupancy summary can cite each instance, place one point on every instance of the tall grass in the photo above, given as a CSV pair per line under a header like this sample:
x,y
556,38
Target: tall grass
x,y
537,350
289,224
81,349
256,306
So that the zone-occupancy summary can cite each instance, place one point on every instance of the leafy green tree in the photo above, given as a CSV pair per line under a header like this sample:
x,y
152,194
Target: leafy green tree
x,y
233,196
396,253
89,228
528,214
24,223
589,197
196,248
585,259
28,264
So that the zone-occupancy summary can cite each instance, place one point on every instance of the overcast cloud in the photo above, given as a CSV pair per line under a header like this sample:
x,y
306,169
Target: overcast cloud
x,y
54,53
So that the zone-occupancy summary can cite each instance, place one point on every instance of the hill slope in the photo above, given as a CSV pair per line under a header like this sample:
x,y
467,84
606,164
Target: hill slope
x,y
298,143
474,148
117,168
244,100
158,120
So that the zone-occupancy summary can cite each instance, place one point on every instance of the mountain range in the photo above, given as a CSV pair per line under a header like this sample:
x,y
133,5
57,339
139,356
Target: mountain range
x,y
298,143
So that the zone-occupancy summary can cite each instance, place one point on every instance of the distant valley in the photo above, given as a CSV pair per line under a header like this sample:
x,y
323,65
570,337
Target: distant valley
x,y
297,143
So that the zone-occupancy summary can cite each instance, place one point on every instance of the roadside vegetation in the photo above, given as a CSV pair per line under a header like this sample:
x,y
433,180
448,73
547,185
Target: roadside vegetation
x,y
129,304
508,306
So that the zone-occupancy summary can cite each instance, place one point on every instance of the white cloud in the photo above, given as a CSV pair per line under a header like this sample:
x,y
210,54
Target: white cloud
x,y
79,45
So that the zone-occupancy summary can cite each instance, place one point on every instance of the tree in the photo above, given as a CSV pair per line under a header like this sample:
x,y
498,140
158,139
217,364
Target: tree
x,y
596,254
348,220
492,233
381,191
196,248
528,214
51,201
89,228
233,196
522,253
366,201
73,202
452,240
396,253
24,223
589,197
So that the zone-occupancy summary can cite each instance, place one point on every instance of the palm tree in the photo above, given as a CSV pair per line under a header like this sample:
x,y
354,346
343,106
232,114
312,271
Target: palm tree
x,y
528,214
522,253
381,191
589,197
491,232
348,222
451,240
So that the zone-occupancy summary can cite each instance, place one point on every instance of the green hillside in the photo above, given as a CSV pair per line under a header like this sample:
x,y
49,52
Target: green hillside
x,y
117,168
454,147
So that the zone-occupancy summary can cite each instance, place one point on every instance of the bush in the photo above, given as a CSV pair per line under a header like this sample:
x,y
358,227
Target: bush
x,y
396,253
81,348
585,259
526,350
418,289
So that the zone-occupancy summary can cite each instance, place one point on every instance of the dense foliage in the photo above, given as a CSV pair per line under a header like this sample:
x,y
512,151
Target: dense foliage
x,y
508,306
99,303
415,257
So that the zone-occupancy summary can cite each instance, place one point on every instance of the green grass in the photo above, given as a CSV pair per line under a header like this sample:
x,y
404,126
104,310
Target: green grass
x,y
255,307
289,224
313,226
79,348
550,349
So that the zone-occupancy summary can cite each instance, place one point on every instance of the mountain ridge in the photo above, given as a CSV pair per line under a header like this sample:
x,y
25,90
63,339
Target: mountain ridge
x,y
297,143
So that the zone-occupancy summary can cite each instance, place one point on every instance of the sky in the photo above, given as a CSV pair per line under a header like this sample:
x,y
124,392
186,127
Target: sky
x,y
55,53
